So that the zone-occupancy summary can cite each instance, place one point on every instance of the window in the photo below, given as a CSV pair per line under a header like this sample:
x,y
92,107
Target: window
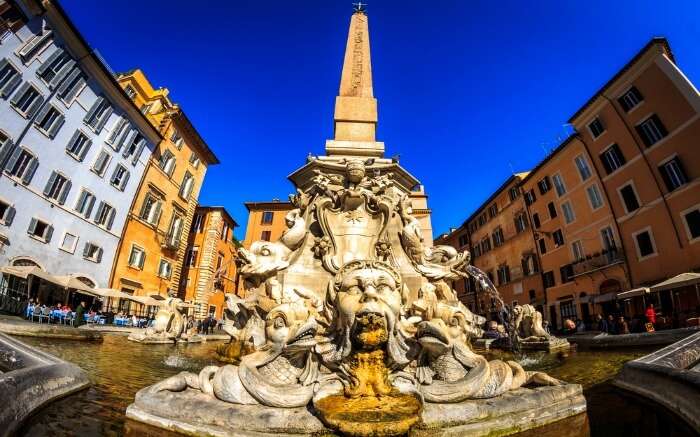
x,y
594,197
552,210
86,200
9,78
175,231
520,222
548,279
57,187
167,162
558,238
673,174
463,240
529,264
513,192
165,269
536,220
101,163
69,243
92,252
219,261
583,169
176,139
265,236
267,217
543,245
137,257
566,272
482,219
40,229
503,274
120,177
191,259
630,99
120,130
135,143
651,130
559,184
51,68
692,222
150,210
645,243
485,245
98,114
22,165
493,210
544,185
197,223
612,158
497,236
49,120
568,310
7,213
568,211
105,215
194,160
596,127
34,45
145,108
530,197
629,198
130,91
27,100
71,87
606,234
476,252
78,145
577,250
187,185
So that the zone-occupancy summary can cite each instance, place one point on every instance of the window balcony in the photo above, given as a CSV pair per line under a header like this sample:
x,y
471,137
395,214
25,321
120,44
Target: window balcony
x,y
598,261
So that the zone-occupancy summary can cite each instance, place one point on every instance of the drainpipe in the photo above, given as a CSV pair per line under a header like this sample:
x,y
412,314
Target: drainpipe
x,y
651,171
607,199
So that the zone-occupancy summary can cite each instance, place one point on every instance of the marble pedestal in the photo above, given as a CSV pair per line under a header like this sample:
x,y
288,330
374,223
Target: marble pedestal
x,y
29,379
193,413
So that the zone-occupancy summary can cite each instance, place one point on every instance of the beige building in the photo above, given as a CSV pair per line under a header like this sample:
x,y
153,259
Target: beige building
x,y
209,269
615,208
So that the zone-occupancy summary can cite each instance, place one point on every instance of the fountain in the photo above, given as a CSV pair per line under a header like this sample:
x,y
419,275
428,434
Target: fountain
x,y
169,326
349,321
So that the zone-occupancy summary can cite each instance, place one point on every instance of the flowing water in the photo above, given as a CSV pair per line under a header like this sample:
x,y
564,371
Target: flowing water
x,y
119,368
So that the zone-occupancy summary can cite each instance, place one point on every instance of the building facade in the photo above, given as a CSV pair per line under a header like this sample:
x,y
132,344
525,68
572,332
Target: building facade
x,y
614,208
150,259
209,269
74,148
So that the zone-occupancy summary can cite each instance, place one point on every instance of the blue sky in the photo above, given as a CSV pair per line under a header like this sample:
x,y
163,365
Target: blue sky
x,y
467,90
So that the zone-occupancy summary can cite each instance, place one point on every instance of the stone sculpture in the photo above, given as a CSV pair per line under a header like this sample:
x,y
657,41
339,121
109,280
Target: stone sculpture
x,y
168,327
367,324
530,333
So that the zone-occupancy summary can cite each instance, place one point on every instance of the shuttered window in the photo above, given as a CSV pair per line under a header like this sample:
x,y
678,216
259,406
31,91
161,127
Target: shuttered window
x,y
98,114
86,200
27,100
57,187
22,164
10,78
49,120
78,145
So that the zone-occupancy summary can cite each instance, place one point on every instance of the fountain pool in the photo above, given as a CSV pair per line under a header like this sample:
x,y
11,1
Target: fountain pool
x,y
119,368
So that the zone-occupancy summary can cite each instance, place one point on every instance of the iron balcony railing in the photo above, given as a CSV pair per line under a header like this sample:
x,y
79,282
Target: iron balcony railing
x,y
597,261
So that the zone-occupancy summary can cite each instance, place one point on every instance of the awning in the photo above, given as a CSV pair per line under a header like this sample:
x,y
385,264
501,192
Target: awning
x,y
65,281
604,297
633,293
682,280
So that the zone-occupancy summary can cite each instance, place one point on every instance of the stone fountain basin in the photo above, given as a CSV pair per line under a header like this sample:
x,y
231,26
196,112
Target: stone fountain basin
x,y
194,413
29,379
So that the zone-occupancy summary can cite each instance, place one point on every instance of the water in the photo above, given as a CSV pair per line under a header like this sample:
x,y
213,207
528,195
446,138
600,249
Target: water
x,y
119,368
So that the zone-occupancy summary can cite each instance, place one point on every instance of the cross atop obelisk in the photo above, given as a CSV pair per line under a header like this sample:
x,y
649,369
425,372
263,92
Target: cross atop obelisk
x,y
355,107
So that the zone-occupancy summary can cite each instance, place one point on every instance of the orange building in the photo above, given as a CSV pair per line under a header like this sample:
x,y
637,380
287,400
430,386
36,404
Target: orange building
x,y
150,257
209,269
500,240
265,221
614,209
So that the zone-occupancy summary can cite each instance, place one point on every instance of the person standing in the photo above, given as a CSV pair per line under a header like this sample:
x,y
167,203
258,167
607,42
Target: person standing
x,y
602,324
651,317
622,327
80,314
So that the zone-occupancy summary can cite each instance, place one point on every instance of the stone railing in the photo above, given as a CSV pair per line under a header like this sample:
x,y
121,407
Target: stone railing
x,y
598,261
